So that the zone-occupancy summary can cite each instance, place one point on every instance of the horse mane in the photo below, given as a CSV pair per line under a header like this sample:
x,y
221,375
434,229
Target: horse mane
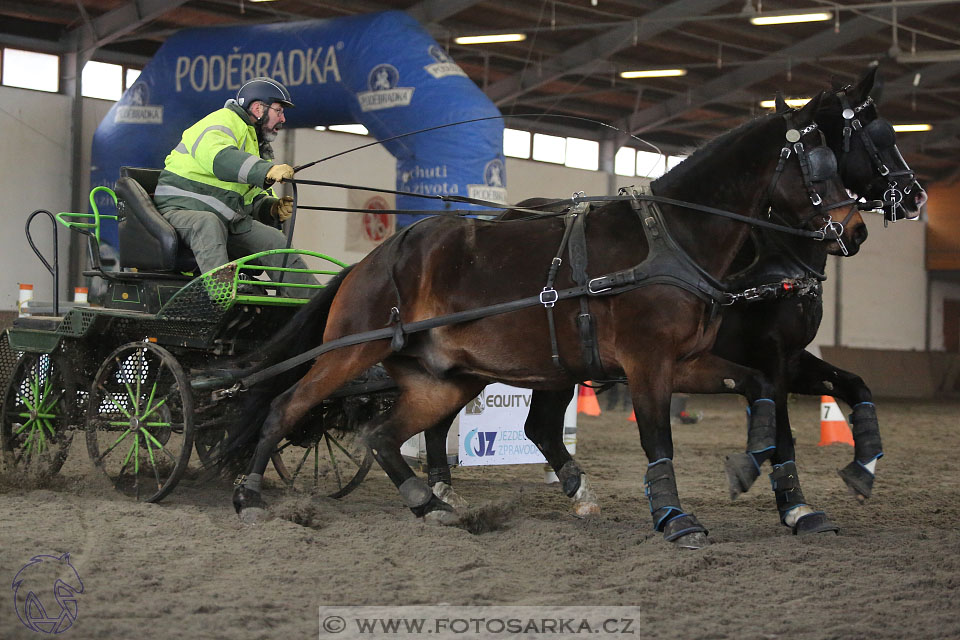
x,y
694,160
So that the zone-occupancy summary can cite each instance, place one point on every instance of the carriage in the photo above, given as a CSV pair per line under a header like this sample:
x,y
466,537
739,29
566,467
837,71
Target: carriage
x,y
133,376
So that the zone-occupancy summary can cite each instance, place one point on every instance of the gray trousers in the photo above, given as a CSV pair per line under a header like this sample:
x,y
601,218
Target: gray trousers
x,y
214,244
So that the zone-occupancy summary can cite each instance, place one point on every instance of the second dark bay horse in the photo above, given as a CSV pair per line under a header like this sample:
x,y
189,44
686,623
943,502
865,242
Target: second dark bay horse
x,y
770,331
656,330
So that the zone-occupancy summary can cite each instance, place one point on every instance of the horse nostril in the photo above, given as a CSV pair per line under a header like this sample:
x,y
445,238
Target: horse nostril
x,y
861,234
920,198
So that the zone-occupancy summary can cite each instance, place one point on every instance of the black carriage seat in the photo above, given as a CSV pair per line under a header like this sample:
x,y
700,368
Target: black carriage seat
x,y
147,241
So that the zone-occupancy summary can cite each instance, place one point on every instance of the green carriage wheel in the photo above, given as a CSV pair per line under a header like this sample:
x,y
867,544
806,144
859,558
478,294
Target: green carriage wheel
x,y
334,465
140,421
35,433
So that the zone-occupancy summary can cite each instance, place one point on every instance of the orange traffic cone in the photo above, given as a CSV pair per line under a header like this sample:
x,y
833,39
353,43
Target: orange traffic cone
x,y
833,426
587,402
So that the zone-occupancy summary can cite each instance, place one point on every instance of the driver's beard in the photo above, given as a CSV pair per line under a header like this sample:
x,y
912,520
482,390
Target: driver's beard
x,y
265,138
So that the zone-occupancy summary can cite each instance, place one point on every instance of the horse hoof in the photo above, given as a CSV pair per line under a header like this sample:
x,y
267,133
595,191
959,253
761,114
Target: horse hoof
x,y
858,480
741,472
686,532
695,540
441,517
446,493
244,498
586,509
816,522
253,515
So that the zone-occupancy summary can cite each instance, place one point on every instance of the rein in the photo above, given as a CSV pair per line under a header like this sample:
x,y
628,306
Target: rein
x,y
822,234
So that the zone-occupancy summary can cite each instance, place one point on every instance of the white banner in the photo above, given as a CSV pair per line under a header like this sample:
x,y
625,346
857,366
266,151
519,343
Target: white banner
x,y
491,428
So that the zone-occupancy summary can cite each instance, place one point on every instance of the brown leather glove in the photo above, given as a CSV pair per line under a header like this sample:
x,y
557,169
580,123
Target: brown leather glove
x,y
279,172
282,209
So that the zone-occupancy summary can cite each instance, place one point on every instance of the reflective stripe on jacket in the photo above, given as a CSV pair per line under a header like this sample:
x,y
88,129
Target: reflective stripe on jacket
x,y
216,167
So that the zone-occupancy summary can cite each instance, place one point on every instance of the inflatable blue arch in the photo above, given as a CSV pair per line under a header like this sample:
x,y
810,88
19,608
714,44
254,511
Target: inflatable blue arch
x,y
380,70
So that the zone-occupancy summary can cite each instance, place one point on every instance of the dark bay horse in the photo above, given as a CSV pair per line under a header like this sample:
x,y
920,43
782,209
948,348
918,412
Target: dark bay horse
x,y
771,332
654,331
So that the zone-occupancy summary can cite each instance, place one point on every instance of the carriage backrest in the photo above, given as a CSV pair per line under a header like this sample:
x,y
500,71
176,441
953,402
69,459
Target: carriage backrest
x,y
147,241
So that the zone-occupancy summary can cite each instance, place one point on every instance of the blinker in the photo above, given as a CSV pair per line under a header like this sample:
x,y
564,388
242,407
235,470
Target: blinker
x,y
882,133
823,164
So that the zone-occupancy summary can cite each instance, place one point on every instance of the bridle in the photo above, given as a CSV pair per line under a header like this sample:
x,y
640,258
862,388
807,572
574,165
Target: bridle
x,y
893,196
817,164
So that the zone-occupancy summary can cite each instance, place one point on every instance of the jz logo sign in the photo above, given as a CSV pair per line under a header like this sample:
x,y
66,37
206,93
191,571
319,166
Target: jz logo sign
x,y
480,443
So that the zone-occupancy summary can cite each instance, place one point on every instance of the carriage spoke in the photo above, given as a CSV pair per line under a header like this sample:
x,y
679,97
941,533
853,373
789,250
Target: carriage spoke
x,y
153,463
296,471
109,396
150,410
347,453
103,455
333,461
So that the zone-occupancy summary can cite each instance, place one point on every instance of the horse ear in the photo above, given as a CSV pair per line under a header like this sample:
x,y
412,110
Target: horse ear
x,y
780,103
835,84
870,82
809,110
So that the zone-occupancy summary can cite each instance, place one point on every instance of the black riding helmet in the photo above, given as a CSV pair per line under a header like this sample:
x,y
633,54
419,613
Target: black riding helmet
x,y
264,89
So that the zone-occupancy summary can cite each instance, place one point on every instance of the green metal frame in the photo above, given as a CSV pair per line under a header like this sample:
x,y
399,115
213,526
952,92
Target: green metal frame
x,y
205,299
244,264
86,227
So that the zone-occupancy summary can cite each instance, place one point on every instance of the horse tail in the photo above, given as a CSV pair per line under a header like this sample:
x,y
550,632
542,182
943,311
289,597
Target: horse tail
x,y
302,332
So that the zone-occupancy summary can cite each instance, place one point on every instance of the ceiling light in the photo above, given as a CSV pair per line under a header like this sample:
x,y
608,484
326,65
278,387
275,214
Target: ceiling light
x,y
261,0
488,39
654,73
912,127
791,102
951,55
792,18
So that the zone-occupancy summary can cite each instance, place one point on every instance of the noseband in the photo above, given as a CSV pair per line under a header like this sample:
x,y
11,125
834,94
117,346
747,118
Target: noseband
x,y
893,196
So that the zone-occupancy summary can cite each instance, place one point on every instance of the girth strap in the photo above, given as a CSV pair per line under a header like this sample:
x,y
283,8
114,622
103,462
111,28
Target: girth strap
x,y
586,327
547,296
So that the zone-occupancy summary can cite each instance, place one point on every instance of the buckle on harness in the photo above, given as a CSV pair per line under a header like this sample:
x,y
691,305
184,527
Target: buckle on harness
x,y
549,297
593,291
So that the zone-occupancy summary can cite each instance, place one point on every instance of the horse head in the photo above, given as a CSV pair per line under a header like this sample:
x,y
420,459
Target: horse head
x,y
870,163
826,207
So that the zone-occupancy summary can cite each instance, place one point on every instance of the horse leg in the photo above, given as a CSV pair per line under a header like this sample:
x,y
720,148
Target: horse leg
x,y
330,371
544,427
651,405
423,399
813,376
708,373
438,467
785,480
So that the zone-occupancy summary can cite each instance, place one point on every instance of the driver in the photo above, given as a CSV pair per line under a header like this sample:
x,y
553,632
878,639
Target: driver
x,y
215,185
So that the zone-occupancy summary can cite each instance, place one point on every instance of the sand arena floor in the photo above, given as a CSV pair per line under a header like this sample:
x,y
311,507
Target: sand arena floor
x,y
186,568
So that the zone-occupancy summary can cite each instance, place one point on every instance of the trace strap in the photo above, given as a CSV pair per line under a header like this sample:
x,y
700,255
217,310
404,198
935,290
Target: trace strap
x,y
611,284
